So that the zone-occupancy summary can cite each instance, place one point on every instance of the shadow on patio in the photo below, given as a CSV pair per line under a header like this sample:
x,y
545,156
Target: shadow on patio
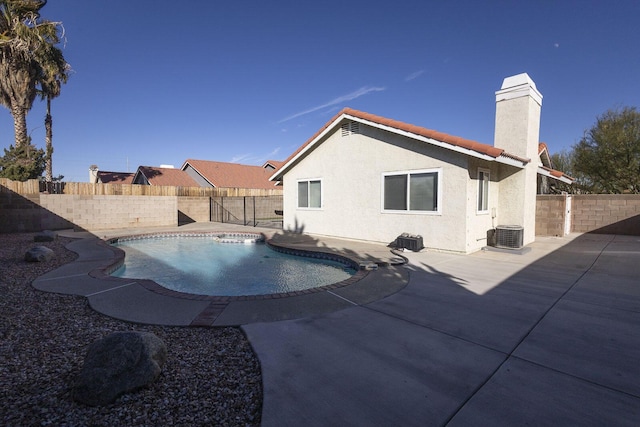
x,y
547,337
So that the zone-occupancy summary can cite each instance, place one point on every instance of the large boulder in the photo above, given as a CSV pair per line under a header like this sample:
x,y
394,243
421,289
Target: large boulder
x,y
117,364
45,236
39,254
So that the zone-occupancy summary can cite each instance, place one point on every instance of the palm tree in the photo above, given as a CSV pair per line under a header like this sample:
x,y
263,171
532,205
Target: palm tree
x,y
54,72
23,40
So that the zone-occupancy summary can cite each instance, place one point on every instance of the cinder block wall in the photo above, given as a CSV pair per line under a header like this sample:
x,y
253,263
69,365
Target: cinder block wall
x,y
606,213
193,209
590,213
550,215
19,213
108,212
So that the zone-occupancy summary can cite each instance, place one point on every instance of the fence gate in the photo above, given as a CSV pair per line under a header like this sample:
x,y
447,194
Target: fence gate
x,y
256,211
567,214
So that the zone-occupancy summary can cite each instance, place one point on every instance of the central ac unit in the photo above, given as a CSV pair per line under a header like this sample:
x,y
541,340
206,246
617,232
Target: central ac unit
x,y
509,236
407,241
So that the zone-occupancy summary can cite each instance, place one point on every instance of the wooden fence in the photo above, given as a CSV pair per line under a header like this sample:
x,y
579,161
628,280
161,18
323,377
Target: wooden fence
x,y
23,188
34,186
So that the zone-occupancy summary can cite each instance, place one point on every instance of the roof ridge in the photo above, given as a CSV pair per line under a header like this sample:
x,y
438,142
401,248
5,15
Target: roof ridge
x,y
429,133
454,141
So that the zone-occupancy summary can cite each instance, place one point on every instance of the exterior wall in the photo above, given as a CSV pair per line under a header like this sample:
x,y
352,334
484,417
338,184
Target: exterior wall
x,y
478,224
518,106
351,171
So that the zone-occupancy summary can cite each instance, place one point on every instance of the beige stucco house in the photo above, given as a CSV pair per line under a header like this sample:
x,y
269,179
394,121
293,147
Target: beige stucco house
x,y
370,178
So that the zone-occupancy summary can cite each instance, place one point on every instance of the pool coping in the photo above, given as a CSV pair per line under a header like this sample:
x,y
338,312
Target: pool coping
x,y
145,301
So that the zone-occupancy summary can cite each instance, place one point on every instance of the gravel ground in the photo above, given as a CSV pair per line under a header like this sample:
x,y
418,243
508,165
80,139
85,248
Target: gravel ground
x,y
211,377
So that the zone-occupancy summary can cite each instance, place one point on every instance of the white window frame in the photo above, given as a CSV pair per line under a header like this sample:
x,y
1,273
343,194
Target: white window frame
x,y
308,208
481,194
438,211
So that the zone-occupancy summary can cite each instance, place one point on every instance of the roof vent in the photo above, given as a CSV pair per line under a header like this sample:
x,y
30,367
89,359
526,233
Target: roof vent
x,y
509,236
350,128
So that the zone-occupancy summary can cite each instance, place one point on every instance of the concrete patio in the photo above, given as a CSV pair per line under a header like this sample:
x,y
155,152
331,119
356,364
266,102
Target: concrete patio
x,y
544,337
549,337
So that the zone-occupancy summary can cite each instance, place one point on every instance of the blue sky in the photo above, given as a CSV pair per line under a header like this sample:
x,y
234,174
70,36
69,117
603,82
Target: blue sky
x,y
158,82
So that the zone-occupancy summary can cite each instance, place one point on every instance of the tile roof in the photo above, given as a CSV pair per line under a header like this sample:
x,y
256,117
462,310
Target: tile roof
x,y
275,163
166,176
561,176
446,140
547,166
545,156
232,175
107,177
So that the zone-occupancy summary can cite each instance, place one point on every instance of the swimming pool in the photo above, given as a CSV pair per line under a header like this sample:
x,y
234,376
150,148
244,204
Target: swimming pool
x,y
225,265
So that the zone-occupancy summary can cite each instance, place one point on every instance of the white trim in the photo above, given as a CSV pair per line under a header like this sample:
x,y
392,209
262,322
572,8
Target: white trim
x,y
437,171
487,173
518,86
308,180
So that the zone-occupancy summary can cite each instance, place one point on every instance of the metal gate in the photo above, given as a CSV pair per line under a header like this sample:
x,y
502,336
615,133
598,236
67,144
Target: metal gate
x,y
256,211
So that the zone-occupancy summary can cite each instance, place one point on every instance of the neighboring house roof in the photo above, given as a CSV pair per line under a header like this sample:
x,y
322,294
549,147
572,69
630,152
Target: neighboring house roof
x,y
546,168
429,136
545,157
231,175
552,173
273,164
164,176
106,177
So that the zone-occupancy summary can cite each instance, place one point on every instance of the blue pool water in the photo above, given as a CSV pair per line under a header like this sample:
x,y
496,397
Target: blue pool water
x,y
202,265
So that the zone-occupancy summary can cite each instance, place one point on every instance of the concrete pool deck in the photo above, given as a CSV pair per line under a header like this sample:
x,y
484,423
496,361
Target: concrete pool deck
x,y
143,301
545,337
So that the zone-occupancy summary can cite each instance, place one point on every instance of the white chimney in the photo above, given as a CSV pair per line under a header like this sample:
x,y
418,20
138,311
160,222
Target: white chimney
x,y
93,174
518,106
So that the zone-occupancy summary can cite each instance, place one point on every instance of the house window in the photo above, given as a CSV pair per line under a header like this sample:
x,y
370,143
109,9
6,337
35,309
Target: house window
x,y
310,194
415,191
483,190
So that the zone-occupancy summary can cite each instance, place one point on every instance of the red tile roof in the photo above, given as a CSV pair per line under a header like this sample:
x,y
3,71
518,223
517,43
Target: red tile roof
x,y
545,158
166,176
232,175
452,141
107,177
275,163
542,147
558,174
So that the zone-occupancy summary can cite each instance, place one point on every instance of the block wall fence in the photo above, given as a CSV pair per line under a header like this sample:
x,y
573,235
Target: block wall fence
x,y
588,213
83,206
61,211
597,213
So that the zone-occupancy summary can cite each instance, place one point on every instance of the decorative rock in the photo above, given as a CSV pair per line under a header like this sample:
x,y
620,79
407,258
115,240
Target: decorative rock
x,y
38,254
117,364
45,236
